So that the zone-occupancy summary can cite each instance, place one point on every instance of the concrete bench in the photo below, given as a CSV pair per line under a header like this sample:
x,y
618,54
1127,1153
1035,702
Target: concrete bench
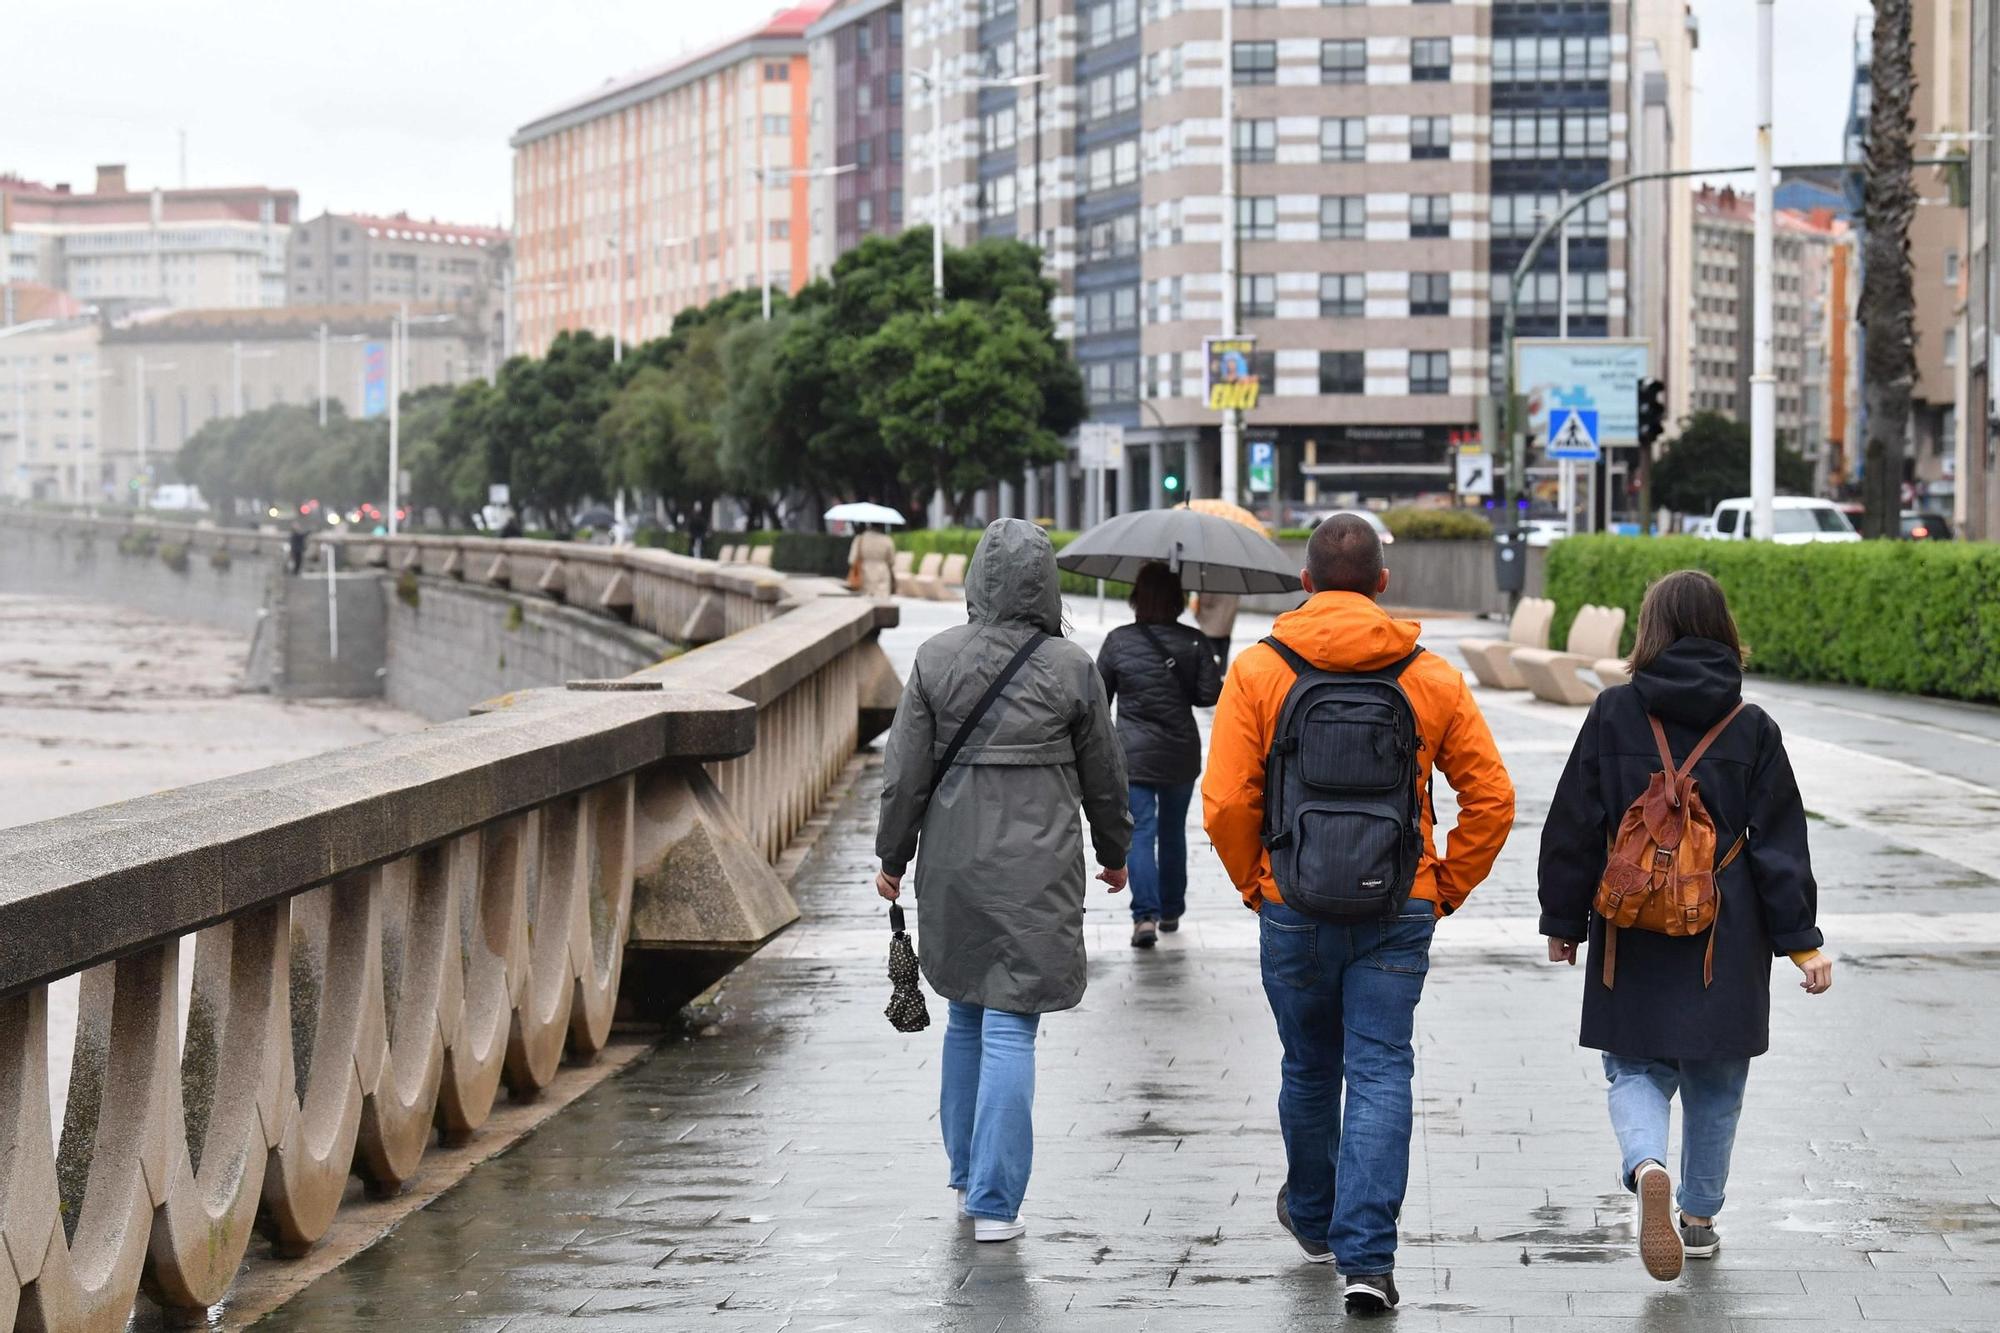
x,y
1613,671
727,555
952,576
1552,675
760,556
1492,660
927,582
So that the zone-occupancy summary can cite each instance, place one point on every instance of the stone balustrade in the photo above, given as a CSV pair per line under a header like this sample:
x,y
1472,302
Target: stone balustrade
x,y
382,939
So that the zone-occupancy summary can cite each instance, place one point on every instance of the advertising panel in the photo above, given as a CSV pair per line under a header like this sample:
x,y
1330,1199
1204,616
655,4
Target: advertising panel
x,y
1229,378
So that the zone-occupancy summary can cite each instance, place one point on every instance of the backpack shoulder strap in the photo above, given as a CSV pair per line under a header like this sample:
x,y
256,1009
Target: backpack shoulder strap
x,y
1713,734
1394,671
1298,664
980,709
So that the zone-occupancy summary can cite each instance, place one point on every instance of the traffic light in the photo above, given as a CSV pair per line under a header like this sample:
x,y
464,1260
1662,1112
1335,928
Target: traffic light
x,y
1171,482
1652,410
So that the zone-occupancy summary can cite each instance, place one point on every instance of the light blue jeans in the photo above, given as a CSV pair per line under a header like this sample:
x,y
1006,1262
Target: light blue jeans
x,y
1641,1096
987,1108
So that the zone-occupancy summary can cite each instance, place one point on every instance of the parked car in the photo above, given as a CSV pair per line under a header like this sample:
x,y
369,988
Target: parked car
x,y
1798,519
1925,525
1544,531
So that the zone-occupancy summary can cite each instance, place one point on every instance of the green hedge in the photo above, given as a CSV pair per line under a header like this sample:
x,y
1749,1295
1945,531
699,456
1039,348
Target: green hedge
x,y
1915,617
963,541
1412,524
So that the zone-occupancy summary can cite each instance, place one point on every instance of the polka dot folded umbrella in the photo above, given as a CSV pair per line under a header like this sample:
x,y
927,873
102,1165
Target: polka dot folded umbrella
x,y
907,1011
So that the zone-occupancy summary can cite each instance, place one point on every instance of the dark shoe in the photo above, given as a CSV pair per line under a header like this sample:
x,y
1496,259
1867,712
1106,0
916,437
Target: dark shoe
x,y
1145,934
1316,1252
1170,924
1371,1293
1659,1239
1699,1242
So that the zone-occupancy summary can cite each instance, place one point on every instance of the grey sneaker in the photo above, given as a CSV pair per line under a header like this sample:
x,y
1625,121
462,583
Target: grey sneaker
x,y
1371,1293
1699,1242
1169,924
1316,1252
1145,934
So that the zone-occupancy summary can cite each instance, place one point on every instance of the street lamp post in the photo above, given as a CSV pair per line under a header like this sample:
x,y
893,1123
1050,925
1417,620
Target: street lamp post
x,y
788,174
1231,419
139,419
1763,383
399,341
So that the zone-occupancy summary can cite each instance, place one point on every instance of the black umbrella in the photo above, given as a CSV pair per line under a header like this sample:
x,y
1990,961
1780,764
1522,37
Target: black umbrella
x,y
907,1011
1210,554
594,518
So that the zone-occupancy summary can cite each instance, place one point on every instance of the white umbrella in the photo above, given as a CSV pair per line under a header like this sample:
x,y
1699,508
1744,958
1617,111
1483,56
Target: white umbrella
x,y
860,511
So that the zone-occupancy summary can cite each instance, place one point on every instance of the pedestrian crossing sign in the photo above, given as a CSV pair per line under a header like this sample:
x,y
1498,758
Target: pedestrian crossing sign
x,y
1573,434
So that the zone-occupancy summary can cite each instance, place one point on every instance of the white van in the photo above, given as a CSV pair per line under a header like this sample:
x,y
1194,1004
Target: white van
x,y
1798,519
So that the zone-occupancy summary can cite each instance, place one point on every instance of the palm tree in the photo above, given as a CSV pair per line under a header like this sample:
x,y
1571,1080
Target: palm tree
x,y
1888,301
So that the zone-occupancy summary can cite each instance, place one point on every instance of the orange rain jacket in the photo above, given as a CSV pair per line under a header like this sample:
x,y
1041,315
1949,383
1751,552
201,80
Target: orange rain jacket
x,y
1344,631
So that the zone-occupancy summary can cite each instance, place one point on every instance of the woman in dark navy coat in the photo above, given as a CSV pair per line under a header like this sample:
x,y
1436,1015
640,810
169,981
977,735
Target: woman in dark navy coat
x,y
1662,1027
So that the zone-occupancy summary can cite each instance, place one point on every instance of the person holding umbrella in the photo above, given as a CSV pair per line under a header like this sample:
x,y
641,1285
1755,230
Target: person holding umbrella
x,y
1158,671
1002,733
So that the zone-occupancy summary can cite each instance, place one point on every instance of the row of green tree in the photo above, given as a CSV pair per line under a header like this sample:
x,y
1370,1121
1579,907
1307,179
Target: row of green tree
x,y
863,386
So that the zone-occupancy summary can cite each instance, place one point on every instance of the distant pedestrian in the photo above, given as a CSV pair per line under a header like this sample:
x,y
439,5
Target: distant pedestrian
x,y
1680,1012
871,562
1157,671
1215,614
1000,861
697,531
1321,814
296,542
512,527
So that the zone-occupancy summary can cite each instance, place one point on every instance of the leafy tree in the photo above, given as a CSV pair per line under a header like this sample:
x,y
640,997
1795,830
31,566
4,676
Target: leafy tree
x,y
444,449
542,427
1888,301
1710,463
957,398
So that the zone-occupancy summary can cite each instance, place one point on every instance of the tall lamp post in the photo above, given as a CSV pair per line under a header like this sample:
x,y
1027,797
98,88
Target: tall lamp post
x,y
934,84
139,422
1763,382
787,173
399,337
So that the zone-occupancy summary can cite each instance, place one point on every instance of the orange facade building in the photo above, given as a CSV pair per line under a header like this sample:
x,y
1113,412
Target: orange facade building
x,y
665,189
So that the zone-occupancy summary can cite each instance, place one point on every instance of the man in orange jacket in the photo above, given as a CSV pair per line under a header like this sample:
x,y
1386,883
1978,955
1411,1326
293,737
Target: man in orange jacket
x,y
1345,993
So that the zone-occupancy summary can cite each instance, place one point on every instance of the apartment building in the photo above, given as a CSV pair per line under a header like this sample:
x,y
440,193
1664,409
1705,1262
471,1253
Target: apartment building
x,y
165,377
364,259
50,391
120,248
1807,298
855,53
667,188
1391,162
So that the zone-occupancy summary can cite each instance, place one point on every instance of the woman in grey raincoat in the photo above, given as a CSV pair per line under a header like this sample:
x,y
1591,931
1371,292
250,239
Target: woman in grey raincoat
x,y
1001,879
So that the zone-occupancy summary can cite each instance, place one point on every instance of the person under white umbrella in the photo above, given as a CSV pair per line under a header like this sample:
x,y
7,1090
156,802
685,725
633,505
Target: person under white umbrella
x,y
871,558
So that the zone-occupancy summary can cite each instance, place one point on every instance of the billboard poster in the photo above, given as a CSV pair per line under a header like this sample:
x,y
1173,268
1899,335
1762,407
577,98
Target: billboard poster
x,y
374,379
1229,378
1563,376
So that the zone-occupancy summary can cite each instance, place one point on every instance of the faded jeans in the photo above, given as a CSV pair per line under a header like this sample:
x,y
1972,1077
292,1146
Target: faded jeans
x,y
1345,997
987,1108
1158,860
1641,1096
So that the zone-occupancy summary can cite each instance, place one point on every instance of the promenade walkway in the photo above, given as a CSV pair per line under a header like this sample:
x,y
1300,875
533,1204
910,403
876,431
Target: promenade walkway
x,y
775,1165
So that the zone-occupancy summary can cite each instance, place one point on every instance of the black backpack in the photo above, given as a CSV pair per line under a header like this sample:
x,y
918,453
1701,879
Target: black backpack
x,y
1342,814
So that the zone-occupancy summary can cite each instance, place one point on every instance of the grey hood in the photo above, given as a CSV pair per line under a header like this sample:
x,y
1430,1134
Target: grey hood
x,y
1012,578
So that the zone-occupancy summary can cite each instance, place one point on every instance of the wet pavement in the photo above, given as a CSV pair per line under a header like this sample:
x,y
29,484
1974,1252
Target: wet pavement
x,y
775,1165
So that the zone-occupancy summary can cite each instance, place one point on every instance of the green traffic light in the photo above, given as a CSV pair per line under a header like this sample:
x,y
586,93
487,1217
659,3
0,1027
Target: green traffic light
x,y
1172,483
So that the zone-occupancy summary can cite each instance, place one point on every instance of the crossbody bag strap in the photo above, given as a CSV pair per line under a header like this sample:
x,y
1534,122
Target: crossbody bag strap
x,y
980,709
1173,663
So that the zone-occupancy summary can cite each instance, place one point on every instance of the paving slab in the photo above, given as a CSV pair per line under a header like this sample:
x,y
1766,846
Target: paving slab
x,y
775,1165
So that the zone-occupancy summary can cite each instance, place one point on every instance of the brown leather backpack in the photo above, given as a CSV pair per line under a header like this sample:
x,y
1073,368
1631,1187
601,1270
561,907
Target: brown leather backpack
x,y
1660,872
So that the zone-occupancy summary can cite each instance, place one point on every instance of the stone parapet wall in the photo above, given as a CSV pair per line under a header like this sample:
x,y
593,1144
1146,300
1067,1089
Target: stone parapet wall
x,y
385,938
212,577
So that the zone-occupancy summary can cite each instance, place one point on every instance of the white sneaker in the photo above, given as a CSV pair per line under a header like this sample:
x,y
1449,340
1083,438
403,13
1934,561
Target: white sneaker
x,y
963,1216
989,1229
1660,1248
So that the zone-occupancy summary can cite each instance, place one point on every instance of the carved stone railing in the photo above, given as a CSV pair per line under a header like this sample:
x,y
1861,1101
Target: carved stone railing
x,y
385,937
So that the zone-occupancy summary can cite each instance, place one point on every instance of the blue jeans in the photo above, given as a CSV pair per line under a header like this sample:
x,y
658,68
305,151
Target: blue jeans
x,y
1641,1096
1159,879
987,1108
1345,997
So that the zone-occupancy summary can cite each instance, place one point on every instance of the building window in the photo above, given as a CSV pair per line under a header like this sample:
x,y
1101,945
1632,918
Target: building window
x,y
1344,61
1951,347
864,213
1342,372
1257,218
1430,293
1430,372
777,72
1343,139
1551,59
1111,166
1951,268
864,153
1112,94
895,145
1111,238
864,39
1520,216
998,197
1256,141
1430,60
1343,217
1430,137
1430,215
993,9
1342,295
894,86
997,130
1255,62
1112,311
1550,135
1256,295
1107,21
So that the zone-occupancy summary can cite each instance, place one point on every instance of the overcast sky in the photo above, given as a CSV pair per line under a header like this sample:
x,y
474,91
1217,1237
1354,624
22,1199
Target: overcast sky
x,y
376,105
